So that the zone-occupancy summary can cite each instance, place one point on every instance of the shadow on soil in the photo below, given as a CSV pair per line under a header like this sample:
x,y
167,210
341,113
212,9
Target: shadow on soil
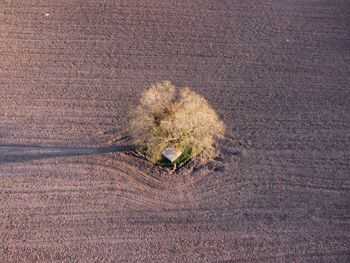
x,y
13,153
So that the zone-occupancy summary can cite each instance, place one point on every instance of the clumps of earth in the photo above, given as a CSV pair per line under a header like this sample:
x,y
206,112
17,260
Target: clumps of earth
x,y
173,125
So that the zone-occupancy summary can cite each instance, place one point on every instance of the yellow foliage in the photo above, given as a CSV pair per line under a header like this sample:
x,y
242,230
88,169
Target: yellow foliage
x,y
167,116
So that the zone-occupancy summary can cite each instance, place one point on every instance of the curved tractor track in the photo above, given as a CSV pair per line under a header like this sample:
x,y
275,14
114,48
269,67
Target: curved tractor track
x,y
73,190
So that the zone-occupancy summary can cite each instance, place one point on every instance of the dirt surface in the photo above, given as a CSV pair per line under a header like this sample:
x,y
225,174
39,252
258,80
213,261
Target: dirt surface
x,y
277,72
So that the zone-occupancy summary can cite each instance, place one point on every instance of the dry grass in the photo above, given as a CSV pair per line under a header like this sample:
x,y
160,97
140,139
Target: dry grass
x,y
168,116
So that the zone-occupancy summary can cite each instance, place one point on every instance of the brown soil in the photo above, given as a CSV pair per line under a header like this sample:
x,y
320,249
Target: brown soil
x,y
72,190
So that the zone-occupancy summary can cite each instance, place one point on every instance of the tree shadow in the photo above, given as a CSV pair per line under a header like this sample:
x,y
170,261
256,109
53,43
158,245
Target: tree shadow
x,y
14,153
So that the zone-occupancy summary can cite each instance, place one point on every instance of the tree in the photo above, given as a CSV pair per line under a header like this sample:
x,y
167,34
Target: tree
x,y
179,118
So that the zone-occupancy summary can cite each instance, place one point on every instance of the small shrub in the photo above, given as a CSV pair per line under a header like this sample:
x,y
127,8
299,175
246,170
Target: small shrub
x,y
167,116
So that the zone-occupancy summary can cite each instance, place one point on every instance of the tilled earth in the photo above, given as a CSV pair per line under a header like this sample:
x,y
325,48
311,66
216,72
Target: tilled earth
x,y
73,190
